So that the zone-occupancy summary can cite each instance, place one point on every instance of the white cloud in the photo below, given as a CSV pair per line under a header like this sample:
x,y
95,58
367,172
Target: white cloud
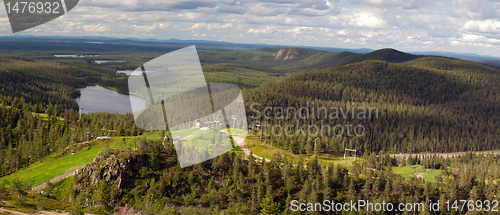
x,y
366,19
405,4
476,9
148,28
343,32
298,30
471,38
94,27
198,25
409,25
488,26
219,26
266,30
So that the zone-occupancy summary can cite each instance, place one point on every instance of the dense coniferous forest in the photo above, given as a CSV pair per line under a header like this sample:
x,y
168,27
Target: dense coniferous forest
x,y
420,105
42,82
242,185
151,182
430,104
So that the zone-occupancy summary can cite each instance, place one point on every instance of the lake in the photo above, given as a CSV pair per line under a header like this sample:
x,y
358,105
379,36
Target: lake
x,y
100,99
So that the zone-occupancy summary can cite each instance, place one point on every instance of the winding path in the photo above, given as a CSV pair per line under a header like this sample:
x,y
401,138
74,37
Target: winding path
x,y
245,148
54,180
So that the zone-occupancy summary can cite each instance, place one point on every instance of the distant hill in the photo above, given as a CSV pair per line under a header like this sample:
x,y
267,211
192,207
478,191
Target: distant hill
x,y
462,56
290,60
495,63
158,44
286,60
152,44
387,55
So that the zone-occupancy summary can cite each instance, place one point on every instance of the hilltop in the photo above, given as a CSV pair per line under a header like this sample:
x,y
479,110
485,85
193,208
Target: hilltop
x,y
388,55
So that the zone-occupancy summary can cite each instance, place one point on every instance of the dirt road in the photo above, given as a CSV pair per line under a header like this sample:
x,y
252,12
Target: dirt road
x,y
444,155
54,180
192,134
5,211
245,148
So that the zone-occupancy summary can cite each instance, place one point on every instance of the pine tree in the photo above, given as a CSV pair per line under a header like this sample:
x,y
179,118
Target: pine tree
x,y
269,207
255,202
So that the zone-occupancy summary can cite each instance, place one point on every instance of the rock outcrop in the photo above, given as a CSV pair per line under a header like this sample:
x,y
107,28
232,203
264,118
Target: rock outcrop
x,y
115,171
287,54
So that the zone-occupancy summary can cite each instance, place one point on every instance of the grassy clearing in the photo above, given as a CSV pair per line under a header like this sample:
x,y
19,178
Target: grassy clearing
x,y
200,140
431,175
62,189
183,133
45,117
411,171
33,203
55,165
489,152
238,132
266,151
405,171
153,135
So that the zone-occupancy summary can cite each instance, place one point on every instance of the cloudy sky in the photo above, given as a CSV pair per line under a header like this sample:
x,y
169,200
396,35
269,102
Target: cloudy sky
x,y
468,26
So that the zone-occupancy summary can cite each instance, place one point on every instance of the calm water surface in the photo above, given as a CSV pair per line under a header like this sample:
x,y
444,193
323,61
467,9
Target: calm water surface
x,y
99,99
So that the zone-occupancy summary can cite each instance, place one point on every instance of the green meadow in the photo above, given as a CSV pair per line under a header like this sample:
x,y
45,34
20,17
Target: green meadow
x,y
267,151
412,170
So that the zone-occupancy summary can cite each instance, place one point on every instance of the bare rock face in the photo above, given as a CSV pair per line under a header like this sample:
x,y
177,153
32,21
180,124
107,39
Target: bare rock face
x,y
289,54
114,171
126,210
280,52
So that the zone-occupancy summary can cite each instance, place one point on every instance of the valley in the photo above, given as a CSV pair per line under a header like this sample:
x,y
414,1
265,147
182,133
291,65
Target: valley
x,y
435,115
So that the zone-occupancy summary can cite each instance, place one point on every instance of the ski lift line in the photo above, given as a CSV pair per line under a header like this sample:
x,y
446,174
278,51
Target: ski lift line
x,y
351,150
147,84
227,124
223,113
234,120
164,113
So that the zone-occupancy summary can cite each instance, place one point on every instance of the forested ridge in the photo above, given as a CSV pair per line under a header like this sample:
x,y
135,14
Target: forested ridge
x,y
430,104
